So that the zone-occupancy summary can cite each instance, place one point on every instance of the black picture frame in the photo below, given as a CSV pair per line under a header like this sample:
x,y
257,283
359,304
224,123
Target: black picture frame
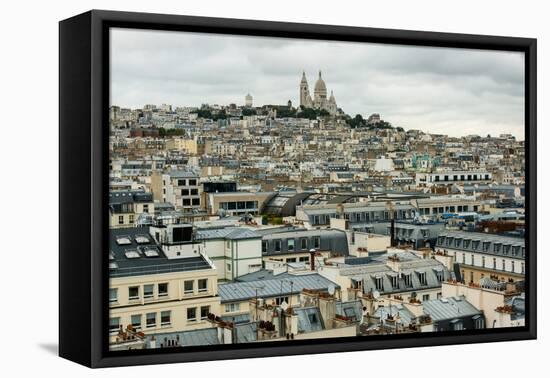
x,y
83,181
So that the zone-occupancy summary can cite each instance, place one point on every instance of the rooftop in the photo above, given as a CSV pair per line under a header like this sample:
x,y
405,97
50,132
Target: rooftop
x,y
133,252
241,291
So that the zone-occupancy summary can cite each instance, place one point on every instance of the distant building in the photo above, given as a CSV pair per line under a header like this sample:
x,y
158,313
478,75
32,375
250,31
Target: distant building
x,y
320,100
125,206
248,100
180,188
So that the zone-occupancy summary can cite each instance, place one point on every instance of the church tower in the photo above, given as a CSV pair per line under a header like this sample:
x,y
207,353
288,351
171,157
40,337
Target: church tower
x,y
305,97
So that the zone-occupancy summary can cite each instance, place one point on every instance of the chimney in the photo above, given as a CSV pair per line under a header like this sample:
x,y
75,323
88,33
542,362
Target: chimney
x,y
312,259
327,306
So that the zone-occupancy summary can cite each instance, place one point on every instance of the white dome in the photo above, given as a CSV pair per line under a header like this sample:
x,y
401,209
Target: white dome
x,y
320,86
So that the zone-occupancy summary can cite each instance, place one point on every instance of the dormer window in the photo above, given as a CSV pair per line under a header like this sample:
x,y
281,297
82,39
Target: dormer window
x,y
407,279
422,278
379,283
394,283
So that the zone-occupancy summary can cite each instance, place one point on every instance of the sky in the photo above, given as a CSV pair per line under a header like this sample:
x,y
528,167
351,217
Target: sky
x,y
438,90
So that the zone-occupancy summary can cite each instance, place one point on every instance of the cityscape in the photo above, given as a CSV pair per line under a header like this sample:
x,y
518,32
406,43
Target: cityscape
x,y
246,222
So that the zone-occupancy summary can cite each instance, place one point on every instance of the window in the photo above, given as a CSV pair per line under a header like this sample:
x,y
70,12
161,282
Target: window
x,y
291,260
145,208
466,243
182,182
503,264
191,314
472,259
496,247
277,246
114,325
393,280
407,279
486,246
163,289
425,297
440,276
471,276
188,287
203,285
133,293
148,291
136,322
151,320
131,218
463,258
422,278
186,202
121,219
185,192
205,310
113,295
280,300
264,246
194,192
229,267
165,318
483,261
522,268
457,325
513,266
196,201
317,242
192,182
379,283
304,259
290,244
479,323
232,307
494,262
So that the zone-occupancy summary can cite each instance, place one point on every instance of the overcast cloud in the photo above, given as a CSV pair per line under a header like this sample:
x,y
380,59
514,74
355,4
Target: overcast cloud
x,y
448,91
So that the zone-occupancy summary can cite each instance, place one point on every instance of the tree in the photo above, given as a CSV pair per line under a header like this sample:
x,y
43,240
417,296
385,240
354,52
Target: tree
x,y
248,112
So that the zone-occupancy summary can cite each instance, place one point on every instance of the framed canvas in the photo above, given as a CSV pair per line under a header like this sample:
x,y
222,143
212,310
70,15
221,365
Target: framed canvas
x,y
236,188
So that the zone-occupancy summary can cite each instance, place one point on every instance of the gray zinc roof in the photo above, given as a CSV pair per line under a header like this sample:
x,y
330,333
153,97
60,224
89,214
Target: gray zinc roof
x,y
449,308
242,291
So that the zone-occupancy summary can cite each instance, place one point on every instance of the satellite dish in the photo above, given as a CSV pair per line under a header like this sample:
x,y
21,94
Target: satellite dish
x,y
284,305
376,294
331,289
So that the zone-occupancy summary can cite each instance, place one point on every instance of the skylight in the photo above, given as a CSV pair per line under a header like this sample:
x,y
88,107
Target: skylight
x,y
142,239
151,252
123,240
131,254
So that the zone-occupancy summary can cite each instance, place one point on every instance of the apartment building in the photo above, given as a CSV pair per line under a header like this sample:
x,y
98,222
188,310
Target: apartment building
x,y
235,251
453,177
480,255
181,188
125,206
236,203
154,292
398,274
